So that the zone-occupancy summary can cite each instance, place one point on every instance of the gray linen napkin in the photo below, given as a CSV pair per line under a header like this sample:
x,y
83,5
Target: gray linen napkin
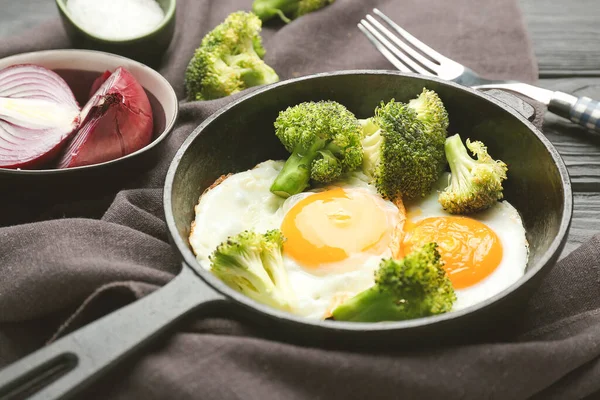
x,y
66,264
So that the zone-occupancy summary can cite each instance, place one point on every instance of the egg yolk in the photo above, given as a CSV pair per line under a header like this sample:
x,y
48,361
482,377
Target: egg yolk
x,y
470,249
331,225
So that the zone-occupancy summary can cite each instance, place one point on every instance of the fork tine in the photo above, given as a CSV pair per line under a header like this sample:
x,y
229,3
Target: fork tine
x,y
406,60
391,58
415,55
410,38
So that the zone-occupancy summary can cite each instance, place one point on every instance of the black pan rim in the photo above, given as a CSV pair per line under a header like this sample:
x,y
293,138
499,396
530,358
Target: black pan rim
x,y
217,285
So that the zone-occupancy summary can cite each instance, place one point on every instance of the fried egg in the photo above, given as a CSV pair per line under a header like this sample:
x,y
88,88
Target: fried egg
x,y
240,202
337,235
335,239
484,253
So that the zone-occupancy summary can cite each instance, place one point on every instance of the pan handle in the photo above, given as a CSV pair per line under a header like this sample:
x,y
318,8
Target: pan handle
x,y
64,367
520,105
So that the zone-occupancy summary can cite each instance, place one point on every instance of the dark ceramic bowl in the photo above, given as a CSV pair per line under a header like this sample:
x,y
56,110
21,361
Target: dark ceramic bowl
x,y
147,48
80,68
239,136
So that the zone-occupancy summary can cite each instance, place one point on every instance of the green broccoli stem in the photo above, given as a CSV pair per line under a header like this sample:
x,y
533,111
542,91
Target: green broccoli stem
x,y
260,76
295,174
372,305
460,162
267,9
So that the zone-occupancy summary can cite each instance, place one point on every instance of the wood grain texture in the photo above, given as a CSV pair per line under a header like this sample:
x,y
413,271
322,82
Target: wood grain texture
x,y
579,148
581,152
565,35
585,222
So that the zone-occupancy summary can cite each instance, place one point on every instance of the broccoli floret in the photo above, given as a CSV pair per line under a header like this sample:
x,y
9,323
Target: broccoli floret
x,y
287,10
433,114
431,111
324,141
404,146
252,264
416,286
229,60
325,166
475,185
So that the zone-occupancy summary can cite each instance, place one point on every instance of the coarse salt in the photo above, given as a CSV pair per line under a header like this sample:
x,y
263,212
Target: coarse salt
x,y
116,19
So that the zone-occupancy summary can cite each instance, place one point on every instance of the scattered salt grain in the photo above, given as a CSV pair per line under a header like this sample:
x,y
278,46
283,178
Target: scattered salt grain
x,y
116,19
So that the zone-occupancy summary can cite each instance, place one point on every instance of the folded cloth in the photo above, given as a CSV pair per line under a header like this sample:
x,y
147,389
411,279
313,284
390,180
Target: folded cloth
x,y
64,265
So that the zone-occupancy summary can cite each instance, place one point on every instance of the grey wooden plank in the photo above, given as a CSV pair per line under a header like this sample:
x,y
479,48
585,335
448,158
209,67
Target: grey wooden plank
x,y
564,35
585,222
579,148
580,151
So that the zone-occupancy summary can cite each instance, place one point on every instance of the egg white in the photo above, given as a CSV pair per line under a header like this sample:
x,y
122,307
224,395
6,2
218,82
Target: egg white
x,y
240,202
506,222
244,201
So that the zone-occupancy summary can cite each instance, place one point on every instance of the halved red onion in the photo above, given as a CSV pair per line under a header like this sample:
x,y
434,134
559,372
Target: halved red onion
x,y
98,82
38,114
116,121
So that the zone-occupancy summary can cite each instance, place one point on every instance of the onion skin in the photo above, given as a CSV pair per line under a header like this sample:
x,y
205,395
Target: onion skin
x,y
117,120
98,82
38,115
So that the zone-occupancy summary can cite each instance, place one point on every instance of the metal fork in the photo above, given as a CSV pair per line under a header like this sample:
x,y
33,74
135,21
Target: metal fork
x,y
422,59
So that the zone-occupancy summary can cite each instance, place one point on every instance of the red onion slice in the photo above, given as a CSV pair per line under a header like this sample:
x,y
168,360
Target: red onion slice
x,y
38,114
117,120
98,82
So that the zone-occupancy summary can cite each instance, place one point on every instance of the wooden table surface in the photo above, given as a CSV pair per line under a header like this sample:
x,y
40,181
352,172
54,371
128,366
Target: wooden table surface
x,y
565,38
